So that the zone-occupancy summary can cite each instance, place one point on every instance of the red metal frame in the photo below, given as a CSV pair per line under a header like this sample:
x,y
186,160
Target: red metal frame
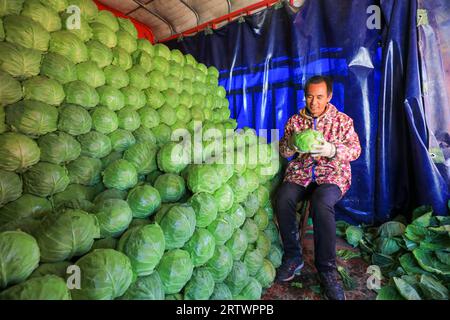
x,y
228,17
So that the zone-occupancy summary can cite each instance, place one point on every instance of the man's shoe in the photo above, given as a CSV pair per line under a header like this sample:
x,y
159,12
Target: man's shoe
x,y
289,268
331,286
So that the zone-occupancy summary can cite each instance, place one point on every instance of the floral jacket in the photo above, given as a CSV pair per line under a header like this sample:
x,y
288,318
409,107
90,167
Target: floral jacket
x,y
338,129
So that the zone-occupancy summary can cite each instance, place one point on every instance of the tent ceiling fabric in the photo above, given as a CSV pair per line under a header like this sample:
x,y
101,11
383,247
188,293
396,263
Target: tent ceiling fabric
x,y
169,17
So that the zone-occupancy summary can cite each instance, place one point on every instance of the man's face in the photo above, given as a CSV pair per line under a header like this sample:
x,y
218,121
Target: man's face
x,y
317,98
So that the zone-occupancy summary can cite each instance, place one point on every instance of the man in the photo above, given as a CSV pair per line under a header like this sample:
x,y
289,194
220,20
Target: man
x,y
324,174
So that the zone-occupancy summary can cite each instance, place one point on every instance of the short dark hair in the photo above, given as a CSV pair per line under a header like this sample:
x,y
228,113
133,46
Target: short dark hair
x,y
320,79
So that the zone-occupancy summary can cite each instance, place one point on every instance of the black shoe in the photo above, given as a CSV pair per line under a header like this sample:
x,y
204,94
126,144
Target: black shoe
x,y
331,286
289,268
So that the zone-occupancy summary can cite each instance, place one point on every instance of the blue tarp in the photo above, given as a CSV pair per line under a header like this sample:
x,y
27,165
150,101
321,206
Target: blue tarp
x,y
265,60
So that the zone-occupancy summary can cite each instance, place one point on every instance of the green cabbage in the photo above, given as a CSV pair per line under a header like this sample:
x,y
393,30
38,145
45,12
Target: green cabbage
x,y
94,144
237,244
17,152
80,93
251,230
146,46
10,7
263,244
221,229
173,158
111,97
91,73
18,61
145,288
158,80
171,187
85,171
134,98
110,194
103,34
26,32
128,26
99,53
68,45
305,139
68,234
275,255
200,286
120,174
88,8
10,89
203,178
221,292
126,41
167,115
142,59
224,197
252,291
44,15
175,270
144,200
59,147
149,117
104,120
32,117
116,77
59,68
178,225
121,58
266,275
49,287
144,246
121,139
56,268
114,217
143,156
220,264
238,278
19,254
108,19
239,186
82,31
45,179
128,119
201,247
261,219
74,120
106,274
205,208
27,206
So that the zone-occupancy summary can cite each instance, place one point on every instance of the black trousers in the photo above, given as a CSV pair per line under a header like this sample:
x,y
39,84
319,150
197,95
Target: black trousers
x,y
323,198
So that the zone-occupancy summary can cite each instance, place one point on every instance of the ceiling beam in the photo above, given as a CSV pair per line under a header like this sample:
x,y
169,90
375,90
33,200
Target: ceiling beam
x,y
171,27
193,10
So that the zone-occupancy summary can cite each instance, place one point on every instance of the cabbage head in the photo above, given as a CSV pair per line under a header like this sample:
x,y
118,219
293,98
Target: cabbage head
x,y
106,274
116,77
145,288
200,286
128,119
266,275
305,139
173,158
82,94
205,208
252,291
68,45
178,225
99,53
26,32
19,254
17,152
149,117
221,292
203,178
48,287
121,139
18,61
114,217
68,234
59,147
90,73
10,89
144,246
143,156
201,246
33,118
94,144
104,120
221,263
143,200
45,179
237,244
85,171
175,270
171,187
10,187
27,206
120,174
238,278
74,120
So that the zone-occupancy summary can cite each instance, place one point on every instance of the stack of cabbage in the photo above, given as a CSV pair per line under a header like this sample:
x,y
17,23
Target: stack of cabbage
x,y
90,177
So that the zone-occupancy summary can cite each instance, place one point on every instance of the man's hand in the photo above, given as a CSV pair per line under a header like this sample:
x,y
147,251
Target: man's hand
x,y
325,149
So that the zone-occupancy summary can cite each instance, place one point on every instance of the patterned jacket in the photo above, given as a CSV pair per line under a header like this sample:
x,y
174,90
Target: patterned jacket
x,y
338,129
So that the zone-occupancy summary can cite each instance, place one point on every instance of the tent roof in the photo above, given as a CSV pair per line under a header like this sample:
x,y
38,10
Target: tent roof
x,y
170,17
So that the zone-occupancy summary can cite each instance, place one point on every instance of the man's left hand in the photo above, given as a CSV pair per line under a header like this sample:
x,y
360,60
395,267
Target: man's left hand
x,y
325,149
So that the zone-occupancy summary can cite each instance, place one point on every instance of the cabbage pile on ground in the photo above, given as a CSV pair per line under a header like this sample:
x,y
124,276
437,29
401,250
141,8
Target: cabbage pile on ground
x,y
91,179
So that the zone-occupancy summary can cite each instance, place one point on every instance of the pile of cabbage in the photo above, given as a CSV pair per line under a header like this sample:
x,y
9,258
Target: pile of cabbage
x,y
97,198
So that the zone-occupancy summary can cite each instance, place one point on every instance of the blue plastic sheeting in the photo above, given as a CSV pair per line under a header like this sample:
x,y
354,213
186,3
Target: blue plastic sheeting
x,y
265,61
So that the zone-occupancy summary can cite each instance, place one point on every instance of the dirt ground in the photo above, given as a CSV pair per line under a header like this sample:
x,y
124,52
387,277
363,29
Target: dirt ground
x,y
306,285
